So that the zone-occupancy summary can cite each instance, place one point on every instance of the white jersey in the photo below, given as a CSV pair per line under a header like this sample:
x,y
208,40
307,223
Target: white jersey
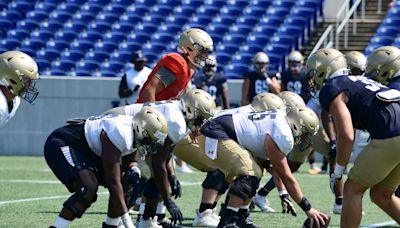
x,y
242,109
119,129
136,78
5,115
251,130
172,110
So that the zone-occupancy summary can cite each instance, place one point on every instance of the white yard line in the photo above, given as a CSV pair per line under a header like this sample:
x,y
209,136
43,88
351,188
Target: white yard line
x,y
388,223
39,198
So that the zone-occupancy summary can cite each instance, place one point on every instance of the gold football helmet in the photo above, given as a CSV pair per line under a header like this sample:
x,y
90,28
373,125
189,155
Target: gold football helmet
x,y
303,122
19,72
356,62
267,102
323,64
260,61
151,130
295,61
291,100
198,106
196,45
383,64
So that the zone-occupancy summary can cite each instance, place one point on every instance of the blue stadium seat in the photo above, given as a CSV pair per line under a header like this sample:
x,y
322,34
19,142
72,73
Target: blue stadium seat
x,y
27,24
19,34
257,40
57,45
176,21
96,56
387,31
389,21
230,49
283,3
67,36
112,69
254,11
264,31
10,43
260,3
236,71
229,10
163,10
277,12
106,46
185,11
223,58
394,12
270,21
72,55
382,40
114,36
60,17
90,35
43,64
234,39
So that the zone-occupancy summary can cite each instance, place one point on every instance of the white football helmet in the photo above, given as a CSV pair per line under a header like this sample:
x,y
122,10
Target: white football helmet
x,y
295,61
19,72
303,122
291,100
196,44
267,102
198,106
151,130
325,64
383,64
260,61
356,62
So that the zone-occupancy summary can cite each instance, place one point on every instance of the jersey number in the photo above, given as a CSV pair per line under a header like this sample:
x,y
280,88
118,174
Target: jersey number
x,y
261,86
150,104
260,116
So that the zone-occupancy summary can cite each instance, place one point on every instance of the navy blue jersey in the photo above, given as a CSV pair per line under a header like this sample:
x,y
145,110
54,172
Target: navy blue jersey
x,y
213,85
296,83
380,118
258,83
395,84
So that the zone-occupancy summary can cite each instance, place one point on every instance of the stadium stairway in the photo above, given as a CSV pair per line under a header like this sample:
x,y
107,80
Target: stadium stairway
x,y
365,28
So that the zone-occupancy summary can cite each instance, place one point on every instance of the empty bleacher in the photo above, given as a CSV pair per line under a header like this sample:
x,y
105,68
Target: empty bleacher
x,y
97,37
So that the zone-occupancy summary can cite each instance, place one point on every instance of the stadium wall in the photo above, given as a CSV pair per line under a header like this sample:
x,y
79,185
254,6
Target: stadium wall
x,y
62,98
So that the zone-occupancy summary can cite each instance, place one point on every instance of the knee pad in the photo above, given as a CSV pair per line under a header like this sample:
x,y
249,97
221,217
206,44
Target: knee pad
x,y
223,189
215,180
150,190
245,187
79,197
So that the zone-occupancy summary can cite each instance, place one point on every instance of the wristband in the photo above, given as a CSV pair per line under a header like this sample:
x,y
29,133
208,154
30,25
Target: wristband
x,y
304,204
112,221
283,192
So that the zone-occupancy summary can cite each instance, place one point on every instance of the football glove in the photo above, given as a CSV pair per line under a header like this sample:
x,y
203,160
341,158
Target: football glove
x,y
176,189
173,209
287,205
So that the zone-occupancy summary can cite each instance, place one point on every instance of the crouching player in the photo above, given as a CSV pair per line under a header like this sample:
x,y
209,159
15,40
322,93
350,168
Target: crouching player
x,y
86,153
265,135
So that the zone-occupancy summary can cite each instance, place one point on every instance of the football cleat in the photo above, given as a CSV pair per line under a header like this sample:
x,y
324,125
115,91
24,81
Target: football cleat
x,y
245,220
184,169
263,203
206,218
337,209
149,223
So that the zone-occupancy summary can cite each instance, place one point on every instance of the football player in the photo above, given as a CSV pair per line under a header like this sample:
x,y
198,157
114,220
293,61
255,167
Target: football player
x,y
356,62
384,67
215,183
187,114
294,78
361,103
86,153
214,83
18,76
258,81
170,77
265,135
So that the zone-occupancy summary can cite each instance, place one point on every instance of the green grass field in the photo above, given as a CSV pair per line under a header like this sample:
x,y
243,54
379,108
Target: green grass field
x,y
31,196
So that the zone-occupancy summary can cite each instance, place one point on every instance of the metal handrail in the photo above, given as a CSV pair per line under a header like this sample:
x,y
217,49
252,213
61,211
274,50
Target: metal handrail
x,y
323,39
344,24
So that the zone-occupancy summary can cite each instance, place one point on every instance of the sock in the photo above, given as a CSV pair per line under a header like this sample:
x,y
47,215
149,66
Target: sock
x,y
244,207
339,200
61,222
112,221
205,206
263,192
148,213
233,209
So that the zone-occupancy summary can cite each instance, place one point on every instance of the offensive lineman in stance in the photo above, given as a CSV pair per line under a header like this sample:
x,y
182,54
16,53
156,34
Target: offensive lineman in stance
x,y
86,153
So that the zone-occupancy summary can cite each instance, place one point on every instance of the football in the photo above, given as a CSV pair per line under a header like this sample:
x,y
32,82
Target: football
x,y
307,223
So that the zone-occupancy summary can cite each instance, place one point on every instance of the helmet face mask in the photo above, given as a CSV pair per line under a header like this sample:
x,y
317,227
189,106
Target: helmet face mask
x,y
196,44
210,67
151,131
19,73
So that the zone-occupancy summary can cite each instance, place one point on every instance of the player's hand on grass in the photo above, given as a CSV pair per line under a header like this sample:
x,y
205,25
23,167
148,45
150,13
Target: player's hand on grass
x,y
287,205
173,209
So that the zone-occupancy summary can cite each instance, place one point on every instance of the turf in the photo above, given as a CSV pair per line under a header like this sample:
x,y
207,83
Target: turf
x,y
29,177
